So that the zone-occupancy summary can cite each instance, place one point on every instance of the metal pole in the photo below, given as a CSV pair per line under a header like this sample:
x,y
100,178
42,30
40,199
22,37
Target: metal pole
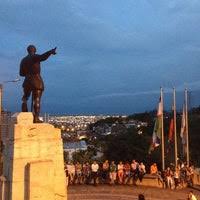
x,y
1,91
186,119
175,133
1,94
162,133
1,158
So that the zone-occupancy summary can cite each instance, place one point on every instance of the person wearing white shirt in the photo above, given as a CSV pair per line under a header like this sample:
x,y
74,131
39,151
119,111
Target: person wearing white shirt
x,y
95,168
142,171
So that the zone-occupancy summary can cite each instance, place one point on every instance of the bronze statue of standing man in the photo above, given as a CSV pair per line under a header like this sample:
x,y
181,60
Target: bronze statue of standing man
x,y
33,83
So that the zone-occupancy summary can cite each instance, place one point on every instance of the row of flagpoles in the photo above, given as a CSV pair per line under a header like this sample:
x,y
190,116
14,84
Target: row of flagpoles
x,y
158,132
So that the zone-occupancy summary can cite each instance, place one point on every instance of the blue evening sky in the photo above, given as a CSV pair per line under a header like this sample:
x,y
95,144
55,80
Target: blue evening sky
x,y
112,56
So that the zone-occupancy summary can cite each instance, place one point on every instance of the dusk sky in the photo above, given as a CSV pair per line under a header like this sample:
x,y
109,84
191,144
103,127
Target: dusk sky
x,y
112,55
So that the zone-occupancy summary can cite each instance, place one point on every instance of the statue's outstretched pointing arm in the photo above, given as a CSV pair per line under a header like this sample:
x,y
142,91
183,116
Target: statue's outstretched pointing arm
x,y
44,56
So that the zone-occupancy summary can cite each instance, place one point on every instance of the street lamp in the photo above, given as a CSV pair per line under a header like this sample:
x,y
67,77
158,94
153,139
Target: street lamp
x,y
12,81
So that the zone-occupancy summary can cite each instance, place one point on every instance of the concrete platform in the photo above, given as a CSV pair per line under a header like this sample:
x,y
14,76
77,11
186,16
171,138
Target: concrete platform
x,y
124,192
33,164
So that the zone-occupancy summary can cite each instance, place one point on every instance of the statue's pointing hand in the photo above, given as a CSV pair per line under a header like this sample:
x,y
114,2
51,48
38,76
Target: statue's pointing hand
x,y
53,51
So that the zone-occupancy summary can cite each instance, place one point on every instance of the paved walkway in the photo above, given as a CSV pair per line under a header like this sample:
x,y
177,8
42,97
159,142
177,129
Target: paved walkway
x,y
106,192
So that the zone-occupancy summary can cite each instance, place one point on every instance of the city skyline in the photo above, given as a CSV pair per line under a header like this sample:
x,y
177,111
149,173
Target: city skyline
x,y
112,56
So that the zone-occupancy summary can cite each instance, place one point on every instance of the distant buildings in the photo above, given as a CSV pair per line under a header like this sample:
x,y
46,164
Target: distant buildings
x,y
76,130
77,126
78,120
119,127
81,127
74,123
72,147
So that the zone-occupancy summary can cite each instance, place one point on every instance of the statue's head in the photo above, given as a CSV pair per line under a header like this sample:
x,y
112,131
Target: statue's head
x,y
31,49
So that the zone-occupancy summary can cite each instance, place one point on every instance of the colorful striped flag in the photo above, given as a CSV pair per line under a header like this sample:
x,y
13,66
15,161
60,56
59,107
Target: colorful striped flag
x,y
183,133
157,131
171,131
170,135
183,127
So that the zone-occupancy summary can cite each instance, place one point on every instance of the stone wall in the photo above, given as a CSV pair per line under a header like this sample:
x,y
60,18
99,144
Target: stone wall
x,y
33,161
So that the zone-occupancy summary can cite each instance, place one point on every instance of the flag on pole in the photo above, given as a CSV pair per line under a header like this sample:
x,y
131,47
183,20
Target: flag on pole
x,y
170,135
171,131
183,132
183,127
157,131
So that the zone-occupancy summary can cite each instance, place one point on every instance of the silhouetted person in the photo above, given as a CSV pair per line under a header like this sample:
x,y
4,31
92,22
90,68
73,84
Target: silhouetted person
x,y
33,83
141,197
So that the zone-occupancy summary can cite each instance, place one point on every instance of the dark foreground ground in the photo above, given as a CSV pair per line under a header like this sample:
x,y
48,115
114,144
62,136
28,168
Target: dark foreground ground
x,y
106,192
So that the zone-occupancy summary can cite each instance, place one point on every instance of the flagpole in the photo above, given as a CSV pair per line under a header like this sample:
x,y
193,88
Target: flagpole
x,y
162,133
186,119
175,133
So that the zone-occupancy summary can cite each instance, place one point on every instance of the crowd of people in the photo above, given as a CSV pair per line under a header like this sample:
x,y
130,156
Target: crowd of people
x,y
127,173
178,177
105,173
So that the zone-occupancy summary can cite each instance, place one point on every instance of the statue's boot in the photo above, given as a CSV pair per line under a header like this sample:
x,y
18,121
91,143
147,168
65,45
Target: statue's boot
x,y
36,119
24,107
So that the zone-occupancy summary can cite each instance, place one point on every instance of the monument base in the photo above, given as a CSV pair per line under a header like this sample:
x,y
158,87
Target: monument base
x,y
33,163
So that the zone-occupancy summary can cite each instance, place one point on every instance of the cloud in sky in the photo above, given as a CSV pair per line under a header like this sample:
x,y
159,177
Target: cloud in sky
x,y
107,49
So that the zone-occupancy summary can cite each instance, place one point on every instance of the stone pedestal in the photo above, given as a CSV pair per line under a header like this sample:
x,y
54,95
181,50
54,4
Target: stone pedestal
x,y
33,161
